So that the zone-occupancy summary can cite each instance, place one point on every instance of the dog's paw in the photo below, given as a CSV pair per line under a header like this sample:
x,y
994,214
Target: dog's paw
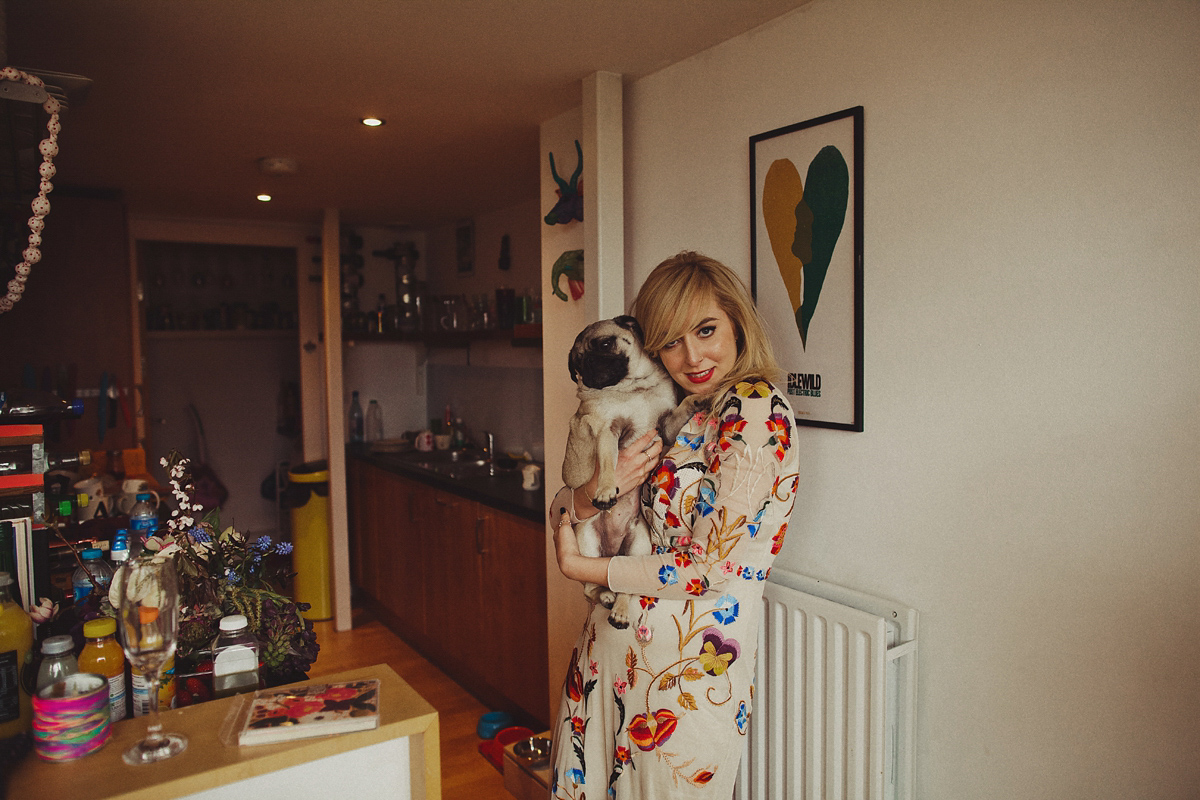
x,y
605,499
606,598
619,617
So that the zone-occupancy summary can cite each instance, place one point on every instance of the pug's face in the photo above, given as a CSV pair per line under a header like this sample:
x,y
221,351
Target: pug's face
x,y
607,352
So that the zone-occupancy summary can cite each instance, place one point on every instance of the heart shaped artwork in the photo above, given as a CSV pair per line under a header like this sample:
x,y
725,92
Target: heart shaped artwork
x,y
804,219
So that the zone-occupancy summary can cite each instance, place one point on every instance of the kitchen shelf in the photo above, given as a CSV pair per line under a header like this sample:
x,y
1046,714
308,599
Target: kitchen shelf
x,y
234,333
520,336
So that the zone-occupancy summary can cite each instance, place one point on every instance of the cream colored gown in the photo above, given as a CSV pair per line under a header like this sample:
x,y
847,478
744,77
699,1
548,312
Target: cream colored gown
x,y
658,710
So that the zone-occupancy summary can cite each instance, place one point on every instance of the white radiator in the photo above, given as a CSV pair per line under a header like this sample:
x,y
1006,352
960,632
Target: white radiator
x,y
834,698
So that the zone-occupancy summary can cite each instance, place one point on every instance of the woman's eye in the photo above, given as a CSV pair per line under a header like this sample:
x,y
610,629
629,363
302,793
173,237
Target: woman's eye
x,y
706,331
670,345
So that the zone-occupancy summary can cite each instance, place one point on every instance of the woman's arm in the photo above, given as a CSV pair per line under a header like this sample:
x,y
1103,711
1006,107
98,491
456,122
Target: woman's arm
x,y
634,464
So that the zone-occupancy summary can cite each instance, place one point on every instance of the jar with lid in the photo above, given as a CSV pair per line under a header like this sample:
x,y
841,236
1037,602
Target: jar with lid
x,y
58,661
235,657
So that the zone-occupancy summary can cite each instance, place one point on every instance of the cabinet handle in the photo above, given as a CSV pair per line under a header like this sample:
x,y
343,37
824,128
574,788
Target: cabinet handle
x,y
479,538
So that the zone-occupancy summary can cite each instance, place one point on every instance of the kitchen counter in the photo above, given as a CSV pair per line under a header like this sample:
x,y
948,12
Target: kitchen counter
x,y
463,476
399,759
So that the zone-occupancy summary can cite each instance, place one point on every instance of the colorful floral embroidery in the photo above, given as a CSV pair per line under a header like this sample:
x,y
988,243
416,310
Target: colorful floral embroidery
x,y
668,576
705,497
697,586
726,610
648,733
755,389
777,539
666,480
717,652
743,717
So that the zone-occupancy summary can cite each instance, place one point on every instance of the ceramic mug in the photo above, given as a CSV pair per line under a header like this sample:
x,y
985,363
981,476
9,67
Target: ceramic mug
x,y
130,489
531,477
424,441
92,501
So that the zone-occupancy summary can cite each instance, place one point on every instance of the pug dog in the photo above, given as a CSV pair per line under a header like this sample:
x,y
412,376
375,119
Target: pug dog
x,y
623,393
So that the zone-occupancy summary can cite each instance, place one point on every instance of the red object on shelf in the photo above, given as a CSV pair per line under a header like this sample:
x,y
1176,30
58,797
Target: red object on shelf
x,y
493,749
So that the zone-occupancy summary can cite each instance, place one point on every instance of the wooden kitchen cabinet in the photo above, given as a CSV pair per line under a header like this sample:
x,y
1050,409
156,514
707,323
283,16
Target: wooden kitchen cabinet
x,y
463,583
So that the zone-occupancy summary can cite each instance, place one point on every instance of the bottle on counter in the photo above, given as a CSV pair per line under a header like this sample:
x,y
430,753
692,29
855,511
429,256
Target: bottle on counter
x,y
118,551
374,421
102,655
58,661
235,657
16,640
143,517
356,418
140,688
93,562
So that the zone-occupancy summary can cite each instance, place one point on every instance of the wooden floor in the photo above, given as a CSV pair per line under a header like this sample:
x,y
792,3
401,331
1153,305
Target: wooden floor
x,y
466,775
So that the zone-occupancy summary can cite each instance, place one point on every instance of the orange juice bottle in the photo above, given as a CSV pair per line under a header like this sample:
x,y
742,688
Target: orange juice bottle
x,y
103,656
16,639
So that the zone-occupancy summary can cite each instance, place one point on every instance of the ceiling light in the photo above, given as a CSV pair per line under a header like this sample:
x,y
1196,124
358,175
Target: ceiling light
x,y
266,198
372,122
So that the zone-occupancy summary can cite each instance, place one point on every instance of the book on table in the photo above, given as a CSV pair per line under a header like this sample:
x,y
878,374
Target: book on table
x,y
280,715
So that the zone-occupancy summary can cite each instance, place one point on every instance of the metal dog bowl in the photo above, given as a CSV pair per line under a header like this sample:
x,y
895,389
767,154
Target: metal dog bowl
x,y
535,750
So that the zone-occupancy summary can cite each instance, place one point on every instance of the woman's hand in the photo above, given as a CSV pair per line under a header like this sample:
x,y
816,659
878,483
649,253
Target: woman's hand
x,y
571,563
634,464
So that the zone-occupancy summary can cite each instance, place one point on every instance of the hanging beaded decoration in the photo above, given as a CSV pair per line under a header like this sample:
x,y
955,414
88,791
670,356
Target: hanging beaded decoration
x,y
40,206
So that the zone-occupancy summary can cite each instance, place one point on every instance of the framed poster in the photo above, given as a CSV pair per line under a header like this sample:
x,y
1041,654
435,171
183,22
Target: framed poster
x,y
806,268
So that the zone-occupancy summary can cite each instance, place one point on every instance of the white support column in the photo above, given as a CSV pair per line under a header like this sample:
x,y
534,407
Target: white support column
x,y
339,526
603,195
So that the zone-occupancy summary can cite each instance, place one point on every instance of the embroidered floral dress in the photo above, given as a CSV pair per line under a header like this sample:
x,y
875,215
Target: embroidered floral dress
x,y
659,710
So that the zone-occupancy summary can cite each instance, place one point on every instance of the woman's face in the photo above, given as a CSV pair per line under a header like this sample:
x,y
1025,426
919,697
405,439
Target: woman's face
x,y
701,358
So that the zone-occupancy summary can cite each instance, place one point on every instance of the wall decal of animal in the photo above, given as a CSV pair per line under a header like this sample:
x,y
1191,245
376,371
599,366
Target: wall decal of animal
x,y
570,193
570,263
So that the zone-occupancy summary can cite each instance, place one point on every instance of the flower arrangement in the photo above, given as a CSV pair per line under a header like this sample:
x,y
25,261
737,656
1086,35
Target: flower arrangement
x,y
221,572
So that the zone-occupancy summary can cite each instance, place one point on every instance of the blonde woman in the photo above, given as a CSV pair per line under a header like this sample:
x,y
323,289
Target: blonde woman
x,y
658,710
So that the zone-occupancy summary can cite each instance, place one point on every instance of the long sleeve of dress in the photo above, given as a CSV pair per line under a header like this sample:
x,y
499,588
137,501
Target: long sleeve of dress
x,y
716,532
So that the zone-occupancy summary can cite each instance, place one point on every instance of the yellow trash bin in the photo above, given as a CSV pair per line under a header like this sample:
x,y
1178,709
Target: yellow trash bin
x,y
308,495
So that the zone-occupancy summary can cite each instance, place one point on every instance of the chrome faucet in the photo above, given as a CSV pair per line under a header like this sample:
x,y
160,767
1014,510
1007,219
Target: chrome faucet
x,y
491,452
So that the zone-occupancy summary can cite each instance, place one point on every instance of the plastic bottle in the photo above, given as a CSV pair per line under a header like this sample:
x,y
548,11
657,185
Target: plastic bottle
x,y
93,562
103,656
374,421
16,640
118,551
140,688
143,517
356,418
58,661
235,657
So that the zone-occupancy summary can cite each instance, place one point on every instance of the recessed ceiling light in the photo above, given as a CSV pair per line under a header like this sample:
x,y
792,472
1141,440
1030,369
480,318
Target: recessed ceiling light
x,y
372,122
266,198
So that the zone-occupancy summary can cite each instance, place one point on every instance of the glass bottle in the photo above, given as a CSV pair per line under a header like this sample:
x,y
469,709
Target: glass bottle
x,y
16,640
103,656
58,661
356,418
374,421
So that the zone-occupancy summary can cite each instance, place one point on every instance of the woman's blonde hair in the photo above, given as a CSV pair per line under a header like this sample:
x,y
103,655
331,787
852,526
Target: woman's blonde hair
x,y
666,304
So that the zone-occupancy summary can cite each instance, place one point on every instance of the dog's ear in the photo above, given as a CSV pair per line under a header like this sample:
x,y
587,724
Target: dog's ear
x,y
630,324
575,357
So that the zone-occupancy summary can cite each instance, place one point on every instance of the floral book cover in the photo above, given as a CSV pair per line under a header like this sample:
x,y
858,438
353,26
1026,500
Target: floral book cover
x,y
279,715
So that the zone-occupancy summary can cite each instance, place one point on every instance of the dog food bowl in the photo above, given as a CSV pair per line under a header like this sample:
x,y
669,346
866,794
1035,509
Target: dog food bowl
x,y
492,723
535,751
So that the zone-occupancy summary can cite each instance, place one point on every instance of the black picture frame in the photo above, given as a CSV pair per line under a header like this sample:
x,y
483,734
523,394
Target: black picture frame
x,y
811,260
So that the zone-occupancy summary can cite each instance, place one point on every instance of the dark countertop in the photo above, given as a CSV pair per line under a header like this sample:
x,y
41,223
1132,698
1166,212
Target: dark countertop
x,y
502,491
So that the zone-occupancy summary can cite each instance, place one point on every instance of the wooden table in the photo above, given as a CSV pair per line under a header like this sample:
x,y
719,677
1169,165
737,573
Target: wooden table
x,y
400,759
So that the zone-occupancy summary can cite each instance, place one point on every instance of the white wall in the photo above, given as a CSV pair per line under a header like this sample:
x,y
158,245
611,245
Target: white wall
x,y
1028,475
